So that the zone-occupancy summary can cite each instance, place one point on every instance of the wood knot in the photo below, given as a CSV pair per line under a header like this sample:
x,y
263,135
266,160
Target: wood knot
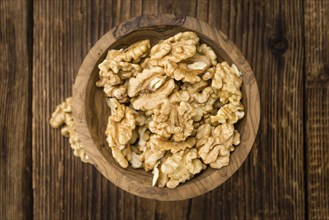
x,y
162,21
278,45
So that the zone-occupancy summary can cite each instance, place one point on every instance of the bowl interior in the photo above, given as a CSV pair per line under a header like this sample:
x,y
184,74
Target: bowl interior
x,y
97,111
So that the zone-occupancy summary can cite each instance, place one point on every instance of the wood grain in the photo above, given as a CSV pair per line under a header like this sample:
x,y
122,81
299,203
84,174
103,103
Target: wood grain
x,y
58,187
317,107
15,113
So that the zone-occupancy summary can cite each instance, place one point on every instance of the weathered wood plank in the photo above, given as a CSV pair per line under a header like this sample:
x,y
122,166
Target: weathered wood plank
x,y
60,181
317,107
15,113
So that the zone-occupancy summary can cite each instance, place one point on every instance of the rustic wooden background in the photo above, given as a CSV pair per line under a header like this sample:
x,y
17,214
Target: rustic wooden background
x,y
286,176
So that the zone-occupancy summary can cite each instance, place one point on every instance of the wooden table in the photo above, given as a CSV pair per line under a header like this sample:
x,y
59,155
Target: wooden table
x,y
43,43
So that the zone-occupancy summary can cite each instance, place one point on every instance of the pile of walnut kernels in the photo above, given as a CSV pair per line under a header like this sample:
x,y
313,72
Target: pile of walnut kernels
x,y
173,108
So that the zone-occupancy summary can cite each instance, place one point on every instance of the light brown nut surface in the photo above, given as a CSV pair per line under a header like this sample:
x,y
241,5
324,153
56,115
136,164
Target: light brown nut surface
x,y
229,113
160,50
181,72
214,144
204,49
151,158
180,167
161,144
133,53
147,81
116,69
227,82
172,121
148,101
183,46
119,131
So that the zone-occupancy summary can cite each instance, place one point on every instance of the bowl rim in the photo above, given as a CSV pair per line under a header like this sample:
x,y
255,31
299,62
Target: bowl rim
x,y
184,191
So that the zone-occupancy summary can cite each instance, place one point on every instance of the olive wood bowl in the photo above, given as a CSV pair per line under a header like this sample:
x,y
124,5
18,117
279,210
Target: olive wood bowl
x,y
91,112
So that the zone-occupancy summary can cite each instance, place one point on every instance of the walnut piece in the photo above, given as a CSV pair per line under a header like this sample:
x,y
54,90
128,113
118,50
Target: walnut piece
x,y
183,46
159,50
119,131
124,70
229,113
227,82
63,117
148,101
181,72
198,62
148,81
178,168
133,53
116,68
214,144
202,98
172,120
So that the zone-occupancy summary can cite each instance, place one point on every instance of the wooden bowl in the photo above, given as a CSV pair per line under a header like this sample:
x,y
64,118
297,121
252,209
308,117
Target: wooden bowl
x,y
90,111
